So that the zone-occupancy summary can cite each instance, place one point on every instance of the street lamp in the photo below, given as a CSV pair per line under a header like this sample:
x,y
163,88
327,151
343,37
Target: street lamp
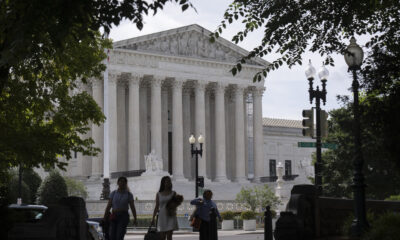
x,y
354,56
318,95
197,152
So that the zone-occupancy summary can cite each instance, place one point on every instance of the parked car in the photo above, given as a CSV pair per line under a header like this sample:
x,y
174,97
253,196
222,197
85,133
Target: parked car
x,y
33,213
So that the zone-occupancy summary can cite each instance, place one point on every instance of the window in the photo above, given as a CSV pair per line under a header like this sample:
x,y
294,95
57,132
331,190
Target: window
x,y
288,167
75,154
272,167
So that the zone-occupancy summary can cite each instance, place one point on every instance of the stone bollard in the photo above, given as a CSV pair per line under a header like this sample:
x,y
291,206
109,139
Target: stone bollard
x,y
268,223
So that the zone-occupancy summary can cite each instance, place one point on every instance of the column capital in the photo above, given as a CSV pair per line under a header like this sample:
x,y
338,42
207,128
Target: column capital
x,y
177,83
220,87
134,79
240,89
112,78
157,81
200,85
258,91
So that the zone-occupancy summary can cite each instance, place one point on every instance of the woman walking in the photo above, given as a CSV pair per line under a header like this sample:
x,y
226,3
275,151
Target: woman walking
x,y
119,202
203,210
166,223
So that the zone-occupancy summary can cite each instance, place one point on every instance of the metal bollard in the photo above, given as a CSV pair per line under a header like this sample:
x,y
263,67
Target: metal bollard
x,y
268,224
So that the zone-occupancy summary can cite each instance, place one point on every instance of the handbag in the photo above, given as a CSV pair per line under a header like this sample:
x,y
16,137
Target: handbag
x,y
152,233
195,221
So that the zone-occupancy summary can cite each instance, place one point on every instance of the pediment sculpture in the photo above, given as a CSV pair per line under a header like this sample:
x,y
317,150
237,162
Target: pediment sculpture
x,y
188,44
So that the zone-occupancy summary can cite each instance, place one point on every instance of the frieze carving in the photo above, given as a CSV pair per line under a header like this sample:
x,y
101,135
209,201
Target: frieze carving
x,y
188,44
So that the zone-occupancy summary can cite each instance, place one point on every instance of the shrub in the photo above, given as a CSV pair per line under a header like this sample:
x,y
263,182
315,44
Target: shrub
x,y
385,227
248,215
228,215
257,197
52,189
393,198
75,188
13,190
33,180
347,222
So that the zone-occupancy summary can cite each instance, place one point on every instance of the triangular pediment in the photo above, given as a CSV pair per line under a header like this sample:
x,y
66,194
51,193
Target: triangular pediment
x,y
189,41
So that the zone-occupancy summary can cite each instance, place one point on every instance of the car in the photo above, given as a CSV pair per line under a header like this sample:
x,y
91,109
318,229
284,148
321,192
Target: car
x,y
26,213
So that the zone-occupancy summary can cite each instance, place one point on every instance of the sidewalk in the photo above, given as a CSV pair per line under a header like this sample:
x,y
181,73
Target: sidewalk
x,y
188,232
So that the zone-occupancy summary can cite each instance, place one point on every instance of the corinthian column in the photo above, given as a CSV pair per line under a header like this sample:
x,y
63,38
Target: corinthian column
x,y
240,175
200,123
220,140
258,144
177,130
112,118
156,127
134,124
97,131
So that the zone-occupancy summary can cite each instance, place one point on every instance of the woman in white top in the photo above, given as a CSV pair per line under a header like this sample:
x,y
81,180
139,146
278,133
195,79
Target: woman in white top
x,y
166,223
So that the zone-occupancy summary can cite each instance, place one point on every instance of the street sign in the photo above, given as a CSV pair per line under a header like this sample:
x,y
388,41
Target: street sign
x,y
201,191
329,145
306,144
313,145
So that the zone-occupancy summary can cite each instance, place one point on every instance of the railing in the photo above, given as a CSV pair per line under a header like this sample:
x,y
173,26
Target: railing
x,y
274,178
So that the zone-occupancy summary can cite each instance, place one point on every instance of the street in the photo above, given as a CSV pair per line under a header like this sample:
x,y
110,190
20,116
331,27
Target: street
x,y
234,235
255,236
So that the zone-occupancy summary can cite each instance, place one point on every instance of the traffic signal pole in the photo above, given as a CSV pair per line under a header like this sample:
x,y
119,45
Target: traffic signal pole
x,y
318,95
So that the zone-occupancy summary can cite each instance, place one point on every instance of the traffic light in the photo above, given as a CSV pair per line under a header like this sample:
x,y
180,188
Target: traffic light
x,y
308,123
324,123
200,181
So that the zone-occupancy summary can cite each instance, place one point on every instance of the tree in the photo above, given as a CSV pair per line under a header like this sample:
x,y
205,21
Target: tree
x,y
52,189
33,181
13,187
257,197
380,172
46,49
291,27
75,188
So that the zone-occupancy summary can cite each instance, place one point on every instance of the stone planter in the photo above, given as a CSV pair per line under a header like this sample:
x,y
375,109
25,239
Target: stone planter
x,y
227,225
249,225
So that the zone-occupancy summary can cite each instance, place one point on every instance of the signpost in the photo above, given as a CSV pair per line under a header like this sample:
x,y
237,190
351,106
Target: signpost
x,y
313,145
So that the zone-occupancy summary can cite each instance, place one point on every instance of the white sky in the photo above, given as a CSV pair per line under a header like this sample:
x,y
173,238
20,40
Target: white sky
x,y
286,93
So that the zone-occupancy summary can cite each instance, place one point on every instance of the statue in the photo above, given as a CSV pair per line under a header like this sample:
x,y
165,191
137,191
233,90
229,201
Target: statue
x,y
154,164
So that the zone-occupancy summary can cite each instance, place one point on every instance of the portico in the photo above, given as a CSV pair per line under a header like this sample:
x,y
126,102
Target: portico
x,y
165,86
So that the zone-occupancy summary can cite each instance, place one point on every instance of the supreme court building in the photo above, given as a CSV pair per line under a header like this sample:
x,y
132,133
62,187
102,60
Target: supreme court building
x,y
159,89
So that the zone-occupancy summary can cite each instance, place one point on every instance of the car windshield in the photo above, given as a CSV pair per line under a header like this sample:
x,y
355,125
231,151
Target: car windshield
x,y
24,214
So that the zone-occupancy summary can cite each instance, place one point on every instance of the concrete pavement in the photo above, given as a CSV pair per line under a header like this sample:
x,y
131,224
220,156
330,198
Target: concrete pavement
x,y
184,234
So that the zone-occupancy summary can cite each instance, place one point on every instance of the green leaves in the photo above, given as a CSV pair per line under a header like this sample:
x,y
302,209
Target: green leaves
x,y
293,27
257,197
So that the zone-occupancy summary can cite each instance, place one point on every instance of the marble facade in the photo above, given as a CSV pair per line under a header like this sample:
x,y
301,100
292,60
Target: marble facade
x,y
160,88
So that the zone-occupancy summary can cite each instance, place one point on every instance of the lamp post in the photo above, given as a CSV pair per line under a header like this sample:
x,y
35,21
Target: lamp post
x,y
196,152
318,95
354,56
